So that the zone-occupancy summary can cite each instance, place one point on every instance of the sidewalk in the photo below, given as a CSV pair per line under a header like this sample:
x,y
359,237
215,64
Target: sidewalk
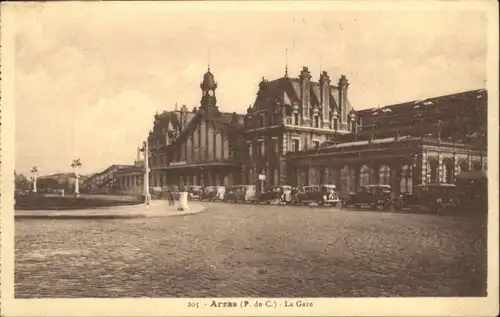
x,y
157,208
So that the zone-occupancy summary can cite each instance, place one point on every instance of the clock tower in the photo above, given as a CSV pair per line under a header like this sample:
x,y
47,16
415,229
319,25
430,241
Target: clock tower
x,y
208,87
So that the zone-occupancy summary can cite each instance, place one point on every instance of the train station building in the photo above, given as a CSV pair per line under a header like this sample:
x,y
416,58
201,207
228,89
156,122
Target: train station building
x,y
301,131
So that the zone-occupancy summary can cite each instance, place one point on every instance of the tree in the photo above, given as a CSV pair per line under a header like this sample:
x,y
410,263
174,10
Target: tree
x,y
21,182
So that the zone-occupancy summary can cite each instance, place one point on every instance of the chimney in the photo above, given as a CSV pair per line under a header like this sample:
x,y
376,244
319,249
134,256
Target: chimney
x,y
183,119
343,85
305,82
234,118
353,121
324,84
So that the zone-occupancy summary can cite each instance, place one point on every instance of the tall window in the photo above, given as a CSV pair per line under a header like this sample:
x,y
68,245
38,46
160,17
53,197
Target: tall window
x,y
250,176
344,180
214,145
448,171
316,121
295,145
385,175
364,176
261,148
295,118
433,165
464,167
406,179
261,120
250,153
273,147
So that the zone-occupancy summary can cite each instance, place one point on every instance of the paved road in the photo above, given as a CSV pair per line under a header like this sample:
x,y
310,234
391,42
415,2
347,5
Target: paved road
x,y
244,250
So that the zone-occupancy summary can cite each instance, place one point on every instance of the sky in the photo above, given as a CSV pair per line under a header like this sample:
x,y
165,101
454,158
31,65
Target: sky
x,y
91,76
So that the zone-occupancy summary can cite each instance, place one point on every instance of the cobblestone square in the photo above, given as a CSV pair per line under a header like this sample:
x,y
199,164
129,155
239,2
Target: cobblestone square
x,y
245,250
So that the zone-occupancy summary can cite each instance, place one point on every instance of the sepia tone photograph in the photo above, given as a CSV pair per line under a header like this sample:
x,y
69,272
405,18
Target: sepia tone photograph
x,y
270,150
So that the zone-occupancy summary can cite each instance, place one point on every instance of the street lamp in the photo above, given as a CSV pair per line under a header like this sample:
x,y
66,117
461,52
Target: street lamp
x,y
34,173
145,150
76,165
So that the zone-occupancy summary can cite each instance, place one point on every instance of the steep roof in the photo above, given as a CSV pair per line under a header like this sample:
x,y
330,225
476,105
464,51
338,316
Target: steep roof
x,y
287,90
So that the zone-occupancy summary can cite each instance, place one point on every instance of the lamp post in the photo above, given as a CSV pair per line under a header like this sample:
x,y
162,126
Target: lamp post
x,y
76,165
147,195
34,173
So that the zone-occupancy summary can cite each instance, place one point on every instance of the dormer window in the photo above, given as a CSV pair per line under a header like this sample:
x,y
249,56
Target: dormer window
x,y
316,121
262,120
295,118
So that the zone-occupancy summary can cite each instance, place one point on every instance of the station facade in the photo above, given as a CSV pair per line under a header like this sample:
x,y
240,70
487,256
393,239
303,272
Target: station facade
x,y
302,132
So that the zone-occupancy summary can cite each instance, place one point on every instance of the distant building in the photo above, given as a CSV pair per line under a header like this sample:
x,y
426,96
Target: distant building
x,y
66,181
105,181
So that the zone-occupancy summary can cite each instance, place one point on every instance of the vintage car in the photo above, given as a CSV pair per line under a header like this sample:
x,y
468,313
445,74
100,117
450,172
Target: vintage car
x,y
194,192
241,194
277,195
213,193
472,192
434,198
318,194
374,196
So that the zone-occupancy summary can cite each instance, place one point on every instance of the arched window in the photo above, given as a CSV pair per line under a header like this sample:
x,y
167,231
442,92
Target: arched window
x,y
344,179
463,166
433,166
385,175
406,179
250,176
448,176
476,166
364,176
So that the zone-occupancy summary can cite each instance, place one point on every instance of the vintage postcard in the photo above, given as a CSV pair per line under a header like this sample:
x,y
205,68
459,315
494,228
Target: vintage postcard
x,y
258,158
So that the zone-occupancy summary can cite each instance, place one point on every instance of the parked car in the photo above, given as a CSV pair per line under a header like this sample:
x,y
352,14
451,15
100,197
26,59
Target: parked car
x,y
194,192
277,194
472,192
434,198
241,193
319,194
374,196
213,193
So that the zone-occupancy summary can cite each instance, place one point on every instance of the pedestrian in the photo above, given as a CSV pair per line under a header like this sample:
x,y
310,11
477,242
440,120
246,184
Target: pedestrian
x,y
170,197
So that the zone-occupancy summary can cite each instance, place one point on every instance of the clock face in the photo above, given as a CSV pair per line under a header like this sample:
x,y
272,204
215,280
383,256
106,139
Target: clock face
x,y
210,92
